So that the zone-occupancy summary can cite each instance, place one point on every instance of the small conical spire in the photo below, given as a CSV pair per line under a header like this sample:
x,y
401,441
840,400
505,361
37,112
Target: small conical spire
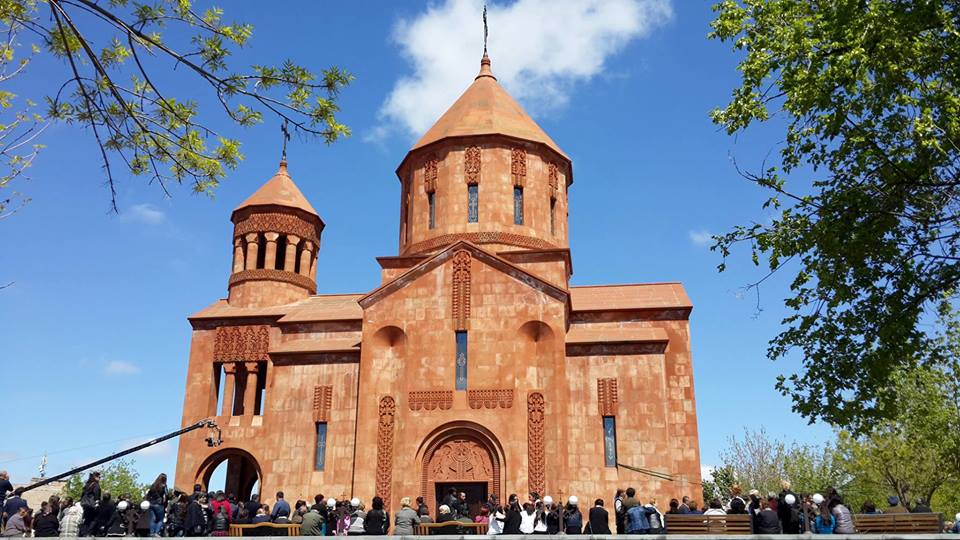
x,y
485,70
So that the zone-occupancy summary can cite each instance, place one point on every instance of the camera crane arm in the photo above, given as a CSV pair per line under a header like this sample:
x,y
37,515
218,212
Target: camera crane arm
x,y
213,440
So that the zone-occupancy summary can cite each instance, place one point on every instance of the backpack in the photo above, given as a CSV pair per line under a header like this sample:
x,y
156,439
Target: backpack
x,y
637,520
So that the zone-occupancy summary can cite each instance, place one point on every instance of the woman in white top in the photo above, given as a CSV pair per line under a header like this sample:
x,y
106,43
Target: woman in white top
x,y
528,518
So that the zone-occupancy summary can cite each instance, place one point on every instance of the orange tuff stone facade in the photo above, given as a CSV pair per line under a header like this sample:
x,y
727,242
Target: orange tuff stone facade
x,y
474,364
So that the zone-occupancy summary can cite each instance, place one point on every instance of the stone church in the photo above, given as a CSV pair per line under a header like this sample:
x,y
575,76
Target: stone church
x,y
473,363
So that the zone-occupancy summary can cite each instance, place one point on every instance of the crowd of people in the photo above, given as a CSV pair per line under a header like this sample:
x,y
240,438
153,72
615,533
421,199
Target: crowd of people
x,y
162,512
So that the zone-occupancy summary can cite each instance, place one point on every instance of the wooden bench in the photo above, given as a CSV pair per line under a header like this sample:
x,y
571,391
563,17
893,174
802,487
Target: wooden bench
x,y
899,523
265,529
450,527
701,524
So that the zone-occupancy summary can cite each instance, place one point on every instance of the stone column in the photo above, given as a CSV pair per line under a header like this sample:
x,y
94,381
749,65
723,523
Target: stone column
x,y
253,248
270,259
306,258
313,268
229,387
237,254
251,394
290,261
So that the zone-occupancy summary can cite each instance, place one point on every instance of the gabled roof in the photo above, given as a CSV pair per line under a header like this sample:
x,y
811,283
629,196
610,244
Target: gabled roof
x,y
318,308
478,253
279,191
629,297
485,108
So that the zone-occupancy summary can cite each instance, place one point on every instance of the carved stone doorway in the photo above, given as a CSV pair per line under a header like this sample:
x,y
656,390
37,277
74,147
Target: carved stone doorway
x,y
463,457
476,493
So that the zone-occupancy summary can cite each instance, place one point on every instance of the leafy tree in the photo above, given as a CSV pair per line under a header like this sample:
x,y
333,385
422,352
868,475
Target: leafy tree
x,y
118,478
114,57
865,187
761,462
720,485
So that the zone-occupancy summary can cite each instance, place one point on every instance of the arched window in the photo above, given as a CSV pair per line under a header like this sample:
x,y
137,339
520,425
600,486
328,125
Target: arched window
x,y
432,203
473,206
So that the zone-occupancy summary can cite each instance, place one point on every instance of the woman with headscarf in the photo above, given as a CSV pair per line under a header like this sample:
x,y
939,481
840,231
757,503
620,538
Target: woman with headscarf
x,y
90,502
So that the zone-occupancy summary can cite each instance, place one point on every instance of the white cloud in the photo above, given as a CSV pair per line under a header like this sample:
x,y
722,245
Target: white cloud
x,y
701,238
145,213
539,49
119,367
706,472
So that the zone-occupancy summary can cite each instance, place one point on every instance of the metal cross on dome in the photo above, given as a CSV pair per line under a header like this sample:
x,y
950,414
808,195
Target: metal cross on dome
x,y
484,29
286,137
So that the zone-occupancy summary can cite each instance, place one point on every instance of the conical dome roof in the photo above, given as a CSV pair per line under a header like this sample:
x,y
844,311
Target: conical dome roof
x,y
485,108
279,191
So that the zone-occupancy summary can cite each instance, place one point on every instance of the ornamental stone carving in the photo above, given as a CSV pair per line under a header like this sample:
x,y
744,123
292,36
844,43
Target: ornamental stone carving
x,y
607,396
430,400
536,460
385,428
490,398
277,222
518,166
265,274
461,460
241,343
471,165
430,174
322,399
554,178
461,289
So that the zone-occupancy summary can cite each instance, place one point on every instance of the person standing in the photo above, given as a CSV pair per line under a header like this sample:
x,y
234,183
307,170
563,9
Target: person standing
x,y
46,525
512,518
70,522
598,520
157,497
842,517
312,524
654,517
377,520
197,520
5,485
618,511
90,501
280,508
406,519
572,517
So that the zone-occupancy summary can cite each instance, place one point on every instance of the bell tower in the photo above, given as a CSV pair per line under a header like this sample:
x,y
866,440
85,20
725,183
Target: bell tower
x,y
276,237
485,173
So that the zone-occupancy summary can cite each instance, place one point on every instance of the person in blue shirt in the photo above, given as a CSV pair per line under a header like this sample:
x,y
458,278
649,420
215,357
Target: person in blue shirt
x,y
280,508
825,522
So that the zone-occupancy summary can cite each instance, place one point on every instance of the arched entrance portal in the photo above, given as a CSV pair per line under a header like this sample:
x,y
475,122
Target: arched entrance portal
x,y
243,471
464,456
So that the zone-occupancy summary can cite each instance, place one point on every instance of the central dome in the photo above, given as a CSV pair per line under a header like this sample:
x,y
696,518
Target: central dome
x,y
485,108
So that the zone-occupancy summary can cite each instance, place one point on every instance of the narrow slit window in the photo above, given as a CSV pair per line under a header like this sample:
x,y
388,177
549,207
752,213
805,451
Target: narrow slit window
x,y
518,205
321,459
432,202
553,216
473,209
610,441
461,360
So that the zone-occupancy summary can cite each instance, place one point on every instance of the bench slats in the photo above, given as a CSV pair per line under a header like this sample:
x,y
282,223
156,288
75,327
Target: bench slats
x,y
426,529
898,523
701,524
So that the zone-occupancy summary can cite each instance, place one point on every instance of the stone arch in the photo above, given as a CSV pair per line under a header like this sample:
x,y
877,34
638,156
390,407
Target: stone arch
x,y
243,471
460,451
390,337
538,332
538,346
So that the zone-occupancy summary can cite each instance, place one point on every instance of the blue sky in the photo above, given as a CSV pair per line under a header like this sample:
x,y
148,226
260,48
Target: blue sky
x,y
95,332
